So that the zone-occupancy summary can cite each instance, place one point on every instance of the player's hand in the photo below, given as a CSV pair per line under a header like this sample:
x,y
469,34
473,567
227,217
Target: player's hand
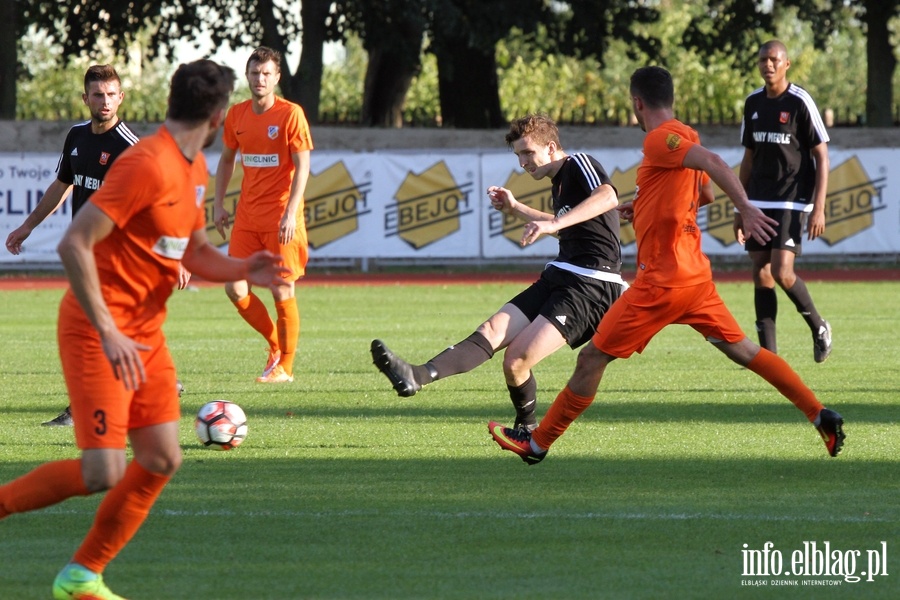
x,y
15,238
626,211
738,227
756,225
501,198
265,268
816,225
534,229
124,355
221,219
184,277
287,228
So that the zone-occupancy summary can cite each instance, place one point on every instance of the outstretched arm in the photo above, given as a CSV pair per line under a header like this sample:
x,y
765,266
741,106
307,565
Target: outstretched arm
x,y
602,199
206,261
503,200
76,250
745,170
51,200
755,223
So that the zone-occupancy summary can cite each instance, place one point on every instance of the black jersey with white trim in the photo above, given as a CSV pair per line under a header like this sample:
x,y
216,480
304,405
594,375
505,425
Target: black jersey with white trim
x,y
592,244
781,133
87,156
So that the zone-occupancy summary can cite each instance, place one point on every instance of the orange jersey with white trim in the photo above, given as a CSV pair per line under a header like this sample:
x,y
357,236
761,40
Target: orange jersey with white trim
x,y
266,143
665,210
154,195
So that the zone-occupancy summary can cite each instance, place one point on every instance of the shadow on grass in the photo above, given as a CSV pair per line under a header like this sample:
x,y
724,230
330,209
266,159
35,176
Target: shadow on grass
x,y
714,412
453,527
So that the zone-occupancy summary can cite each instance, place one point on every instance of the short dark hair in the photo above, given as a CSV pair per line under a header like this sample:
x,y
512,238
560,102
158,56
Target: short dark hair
x,y
539,127
264,54
654,86
777,45
101,73
199,89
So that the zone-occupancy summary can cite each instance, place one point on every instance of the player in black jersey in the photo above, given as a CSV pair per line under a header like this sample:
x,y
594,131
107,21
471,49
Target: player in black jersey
x,y
785,172
573,292
90,148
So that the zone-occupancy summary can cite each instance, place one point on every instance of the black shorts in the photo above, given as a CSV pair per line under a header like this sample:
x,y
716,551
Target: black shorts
x,y
574,304
788,232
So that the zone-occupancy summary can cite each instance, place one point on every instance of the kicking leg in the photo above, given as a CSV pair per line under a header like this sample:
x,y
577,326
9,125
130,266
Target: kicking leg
x,y
537,341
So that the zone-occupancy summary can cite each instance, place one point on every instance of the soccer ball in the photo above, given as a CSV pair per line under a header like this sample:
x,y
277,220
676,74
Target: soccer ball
x,y
221,425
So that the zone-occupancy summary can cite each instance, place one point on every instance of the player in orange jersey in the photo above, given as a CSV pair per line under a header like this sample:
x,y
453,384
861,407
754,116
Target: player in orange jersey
x,y
273,138
89,151
122,255
674,279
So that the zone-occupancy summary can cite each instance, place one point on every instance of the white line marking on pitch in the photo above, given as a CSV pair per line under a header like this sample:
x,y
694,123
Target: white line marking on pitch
x,y
631,516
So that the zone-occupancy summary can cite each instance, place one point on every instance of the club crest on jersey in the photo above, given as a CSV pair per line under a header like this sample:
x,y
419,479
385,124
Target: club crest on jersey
x,y
673,140
273,132
201,194
784,117
104,158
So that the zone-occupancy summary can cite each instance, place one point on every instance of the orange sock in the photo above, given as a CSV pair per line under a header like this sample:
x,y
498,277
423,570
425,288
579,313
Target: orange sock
x,y
46,485
252,310
562,412
779,373
119,516
288,332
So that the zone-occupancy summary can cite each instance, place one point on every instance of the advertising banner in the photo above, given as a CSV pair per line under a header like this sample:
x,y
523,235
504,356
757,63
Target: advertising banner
x,y
408,205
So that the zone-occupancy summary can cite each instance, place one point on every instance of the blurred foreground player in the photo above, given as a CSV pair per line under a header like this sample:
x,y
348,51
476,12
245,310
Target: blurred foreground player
x,y
89,151
122,255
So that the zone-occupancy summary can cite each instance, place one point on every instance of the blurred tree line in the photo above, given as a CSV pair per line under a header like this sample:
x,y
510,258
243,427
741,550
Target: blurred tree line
x,y
460,63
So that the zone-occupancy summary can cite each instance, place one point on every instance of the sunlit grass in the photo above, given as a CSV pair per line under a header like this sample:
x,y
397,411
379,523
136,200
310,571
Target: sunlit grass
x,y
344,490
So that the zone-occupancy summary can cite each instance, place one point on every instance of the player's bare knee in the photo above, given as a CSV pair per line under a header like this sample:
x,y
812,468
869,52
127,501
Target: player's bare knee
x,y
515,366
165,463
232,294
784,277
589,358
495,335
97,482
742,352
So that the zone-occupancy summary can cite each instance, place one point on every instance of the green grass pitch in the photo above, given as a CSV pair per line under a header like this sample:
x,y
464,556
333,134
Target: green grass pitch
x,y
343,490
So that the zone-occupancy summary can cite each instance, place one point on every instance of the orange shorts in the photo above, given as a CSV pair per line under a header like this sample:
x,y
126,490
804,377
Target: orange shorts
x,y
102,409
294,255
643,310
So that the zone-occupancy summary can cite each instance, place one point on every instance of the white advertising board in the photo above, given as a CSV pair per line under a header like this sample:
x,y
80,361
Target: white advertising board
x,y
433,205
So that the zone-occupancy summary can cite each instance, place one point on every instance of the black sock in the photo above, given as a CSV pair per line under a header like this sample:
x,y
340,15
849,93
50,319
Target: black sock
x,y
460,358
766,302
524,399
799,295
